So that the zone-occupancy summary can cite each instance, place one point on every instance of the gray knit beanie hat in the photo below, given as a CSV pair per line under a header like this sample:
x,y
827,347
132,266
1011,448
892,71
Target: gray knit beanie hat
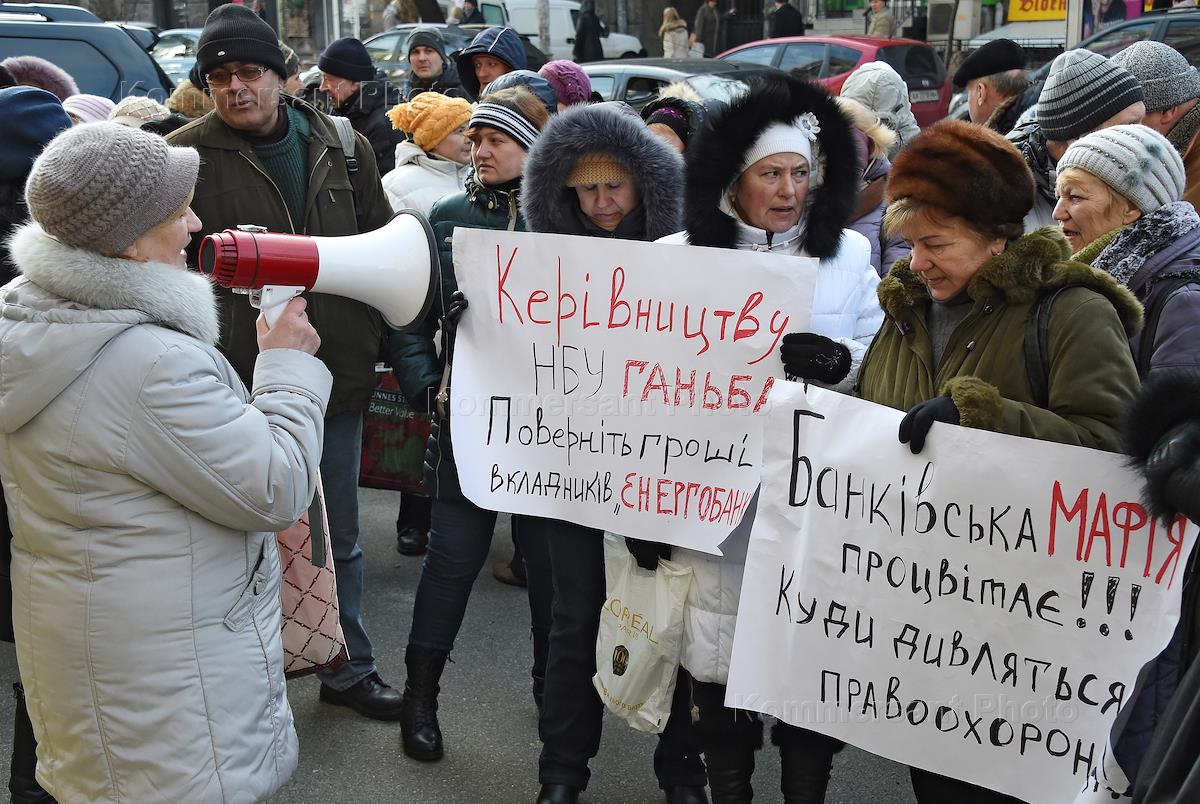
x,y
1082,90
1135,161
1166,76
101,186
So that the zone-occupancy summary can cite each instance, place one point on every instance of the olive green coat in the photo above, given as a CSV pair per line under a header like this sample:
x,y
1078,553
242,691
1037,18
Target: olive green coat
x,y
233,188
1092,379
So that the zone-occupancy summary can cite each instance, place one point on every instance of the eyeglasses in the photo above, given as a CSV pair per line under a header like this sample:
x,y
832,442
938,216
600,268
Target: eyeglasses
x,y
247,75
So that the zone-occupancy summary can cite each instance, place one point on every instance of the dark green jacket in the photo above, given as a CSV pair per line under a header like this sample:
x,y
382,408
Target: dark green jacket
x,y
233,188
413,355
1092,379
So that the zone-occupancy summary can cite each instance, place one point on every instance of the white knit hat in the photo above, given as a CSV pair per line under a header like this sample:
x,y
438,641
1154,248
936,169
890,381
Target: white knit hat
x,y
1135,161
795,137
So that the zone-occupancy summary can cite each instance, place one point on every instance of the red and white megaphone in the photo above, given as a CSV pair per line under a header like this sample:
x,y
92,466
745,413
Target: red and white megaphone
x,y
392,269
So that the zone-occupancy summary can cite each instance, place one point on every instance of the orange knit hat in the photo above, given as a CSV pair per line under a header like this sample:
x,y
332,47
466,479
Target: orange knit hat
x,y
429,117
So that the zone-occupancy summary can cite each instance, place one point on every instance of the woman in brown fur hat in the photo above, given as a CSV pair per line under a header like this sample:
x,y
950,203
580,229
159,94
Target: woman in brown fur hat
x,y
952,346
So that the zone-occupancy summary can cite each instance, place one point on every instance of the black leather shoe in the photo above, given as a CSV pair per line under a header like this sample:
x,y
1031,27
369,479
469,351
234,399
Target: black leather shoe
x,y
411,541
558,794
370,698
686,795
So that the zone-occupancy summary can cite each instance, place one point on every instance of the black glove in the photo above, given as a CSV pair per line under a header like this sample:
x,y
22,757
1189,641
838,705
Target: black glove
x,y
1173,473
809,356
458,303
647,554
916,423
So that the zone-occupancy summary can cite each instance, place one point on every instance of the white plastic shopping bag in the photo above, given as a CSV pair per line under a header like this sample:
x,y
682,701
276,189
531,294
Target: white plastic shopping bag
x,y
641,636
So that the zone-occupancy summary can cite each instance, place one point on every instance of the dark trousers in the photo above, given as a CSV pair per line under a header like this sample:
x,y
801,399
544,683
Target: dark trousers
x,y
572,714
460,536
932,788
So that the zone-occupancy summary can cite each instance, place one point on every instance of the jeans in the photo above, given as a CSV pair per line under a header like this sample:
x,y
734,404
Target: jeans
x,y
460,535
339,476
571,719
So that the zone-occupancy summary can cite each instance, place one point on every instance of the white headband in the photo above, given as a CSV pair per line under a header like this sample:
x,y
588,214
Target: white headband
x,y
795,137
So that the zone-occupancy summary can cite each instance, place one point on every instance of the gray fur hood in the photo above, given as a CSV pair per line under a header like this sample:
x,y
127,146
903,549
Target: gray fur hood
x,y
71,303
550,206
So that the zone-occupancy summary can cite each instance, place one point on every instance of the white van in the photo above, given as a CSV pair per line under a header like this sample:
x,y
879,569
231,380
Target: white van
x,y
564,18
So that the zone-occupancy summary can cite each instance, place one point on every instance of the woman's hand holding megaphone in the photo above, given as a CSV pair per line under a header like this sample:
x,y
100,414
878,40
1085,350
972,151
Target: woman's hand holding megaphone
x,y
291,331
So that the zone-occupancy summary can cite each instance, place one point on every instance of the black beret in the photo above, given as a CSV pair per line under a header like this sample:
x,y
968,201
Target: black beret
x,y
997,56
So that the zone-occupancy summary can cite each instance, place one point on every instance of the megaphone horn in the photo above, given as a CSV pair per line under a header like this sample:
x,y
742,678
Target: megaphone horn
x,y
393,269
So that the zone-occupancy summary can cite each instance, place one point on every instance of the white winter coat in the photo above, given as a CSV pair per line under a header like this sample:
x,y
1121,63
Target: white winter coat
x,y
675,44
846,309
144,485
419,180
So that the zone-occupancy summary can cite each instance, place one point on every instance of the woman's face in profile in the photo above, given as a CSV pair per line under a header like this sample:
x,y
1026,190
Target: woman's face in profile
x,y
772,192
166,242
947,252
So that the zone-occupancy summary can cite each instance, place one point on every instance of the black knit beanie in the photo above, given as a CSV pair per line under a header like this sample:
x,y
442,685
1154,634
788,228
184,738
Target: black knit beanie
x,y
233,32
347,58
426,37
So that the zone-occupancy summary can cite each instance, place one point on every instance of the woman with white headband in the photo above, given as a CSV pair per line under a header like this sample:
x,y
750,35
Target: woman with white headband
x,y
778,172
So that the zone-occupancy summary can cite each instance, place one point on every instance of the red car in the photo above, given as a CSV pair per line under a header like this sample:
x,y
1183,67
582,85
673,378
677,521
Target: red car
x,y
828,60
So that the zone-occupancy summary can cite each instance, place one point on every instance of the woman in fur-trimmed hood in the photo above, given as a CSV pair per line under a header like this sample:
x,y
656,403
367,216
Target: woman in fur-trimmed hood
x,y
953,348
601,134
776,171
597,171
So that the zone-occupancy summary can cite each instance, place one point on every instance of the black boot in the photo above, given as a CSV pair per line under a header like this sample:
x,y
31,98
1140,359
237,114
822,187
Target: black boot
x,y
422,736
729,738
558,794
807,758
22,781
411,541
541,651
412,524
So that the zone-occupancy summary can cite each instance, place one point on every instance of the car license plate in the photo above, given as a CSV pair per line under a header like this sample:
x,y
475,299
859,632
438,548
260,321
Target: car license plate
x,y
923,96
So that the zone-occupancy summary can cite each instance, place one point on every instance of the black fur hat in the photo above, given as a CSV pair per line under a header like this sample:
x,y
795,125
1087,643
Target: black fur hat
x,y
714,160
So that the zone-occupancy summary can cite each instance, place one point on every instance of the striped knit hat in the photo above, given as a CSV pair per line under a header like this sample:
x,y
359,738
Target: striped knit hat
x,y
1082,90
506,119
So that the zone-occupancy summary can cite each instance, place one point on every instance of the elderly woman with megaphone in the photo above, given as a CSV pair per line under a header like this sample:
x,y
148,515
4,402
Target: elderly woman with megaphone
x,y
144,486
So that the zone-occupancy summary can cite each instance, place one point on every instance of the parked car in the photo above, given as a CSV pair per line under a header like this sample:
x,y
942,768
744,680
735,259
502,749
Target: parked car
x,y
638,81
829,60
104,58
387,49
175,51
564,19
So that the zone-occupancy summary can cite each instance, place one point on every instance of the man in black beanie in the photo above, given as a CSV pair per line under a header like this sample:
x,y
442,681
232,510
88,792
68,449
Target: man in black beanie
x,y
348,77
271,159
428,68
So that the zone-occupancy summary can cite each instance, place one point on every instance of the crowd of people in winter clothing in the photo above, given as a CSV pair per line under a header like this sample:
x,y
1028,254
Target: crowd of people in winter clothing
x,y
209,430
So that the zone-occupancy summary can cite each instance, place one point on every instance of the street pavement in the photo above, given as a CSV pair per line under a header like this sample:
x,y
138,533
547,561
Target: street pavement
x,y
487,712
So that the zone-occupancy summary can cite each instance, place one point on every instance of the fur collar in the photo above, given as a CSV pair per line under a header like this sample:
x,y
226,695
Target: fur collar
x,y
549,205
169,296
714,159
1039,261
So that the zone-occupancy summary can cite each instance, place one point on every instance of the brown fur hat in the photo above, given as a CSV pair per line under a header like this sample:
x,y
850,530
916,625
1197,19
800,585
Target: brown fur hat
x,y
966,170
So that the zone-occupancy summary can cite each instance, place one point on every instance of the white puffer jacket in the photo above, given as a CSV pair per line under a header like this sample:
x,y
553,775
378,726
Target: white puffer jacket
x,y
846,309
144,486
419,180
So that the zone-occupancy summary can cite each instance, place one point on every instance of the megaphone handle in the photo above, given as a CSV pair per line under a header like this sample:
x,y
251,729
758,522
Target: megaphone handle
x,y
272,299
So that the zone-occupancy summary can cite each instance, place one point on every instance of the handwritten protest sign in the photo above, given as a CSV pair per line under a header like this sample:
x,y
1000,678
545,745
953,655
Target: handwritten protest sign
x,y
614,383
980,610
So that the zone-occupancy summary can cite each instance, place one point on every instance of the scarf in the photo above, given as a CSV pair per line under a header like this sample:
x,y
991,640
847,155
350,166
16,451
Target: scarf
x,y
1135,244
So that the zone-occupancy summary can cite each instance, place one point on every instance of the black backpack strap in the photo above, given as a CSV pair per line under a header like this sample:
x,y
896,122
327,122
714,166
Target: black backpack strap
x,y
1153,305
1037,339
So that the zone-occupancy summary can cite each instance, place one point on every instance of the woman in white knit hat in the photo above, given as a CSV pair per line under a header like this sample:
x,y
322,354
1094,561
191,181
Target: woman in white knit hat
x,y
144,485
1119,206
